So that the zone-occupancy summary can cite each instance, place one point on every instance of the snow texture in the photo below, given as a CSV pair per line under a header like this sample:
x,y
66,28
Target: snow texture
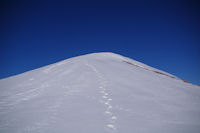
x,y
98,93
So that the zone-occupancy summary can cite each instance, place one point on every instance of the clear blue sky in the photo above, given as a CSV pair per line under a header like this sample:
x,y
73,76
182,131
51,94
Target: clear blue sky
x,y
161,33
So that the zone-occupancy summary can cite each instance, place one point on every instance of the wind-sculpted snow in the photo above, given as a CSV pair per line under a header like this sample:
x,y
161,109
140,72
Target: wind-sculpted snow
x,y
98,93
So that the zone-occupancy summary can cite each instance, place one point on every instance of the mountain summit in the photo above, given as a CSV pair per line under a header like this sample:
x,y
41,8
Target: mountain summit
x,y
98,93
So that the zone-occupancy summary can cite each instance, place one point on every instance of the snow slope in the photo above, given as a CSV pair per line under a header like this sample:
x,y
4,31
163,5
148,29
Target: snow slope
x,y
98,93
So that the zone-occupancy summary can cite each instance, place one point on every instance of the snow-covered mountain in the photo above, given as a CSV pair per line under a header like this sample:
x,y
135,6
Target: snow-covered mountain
x,y
98,93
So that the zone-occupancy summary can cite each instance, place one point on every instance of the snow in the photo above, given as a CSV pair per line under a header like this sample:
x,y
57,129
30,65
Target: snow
x,y
98,93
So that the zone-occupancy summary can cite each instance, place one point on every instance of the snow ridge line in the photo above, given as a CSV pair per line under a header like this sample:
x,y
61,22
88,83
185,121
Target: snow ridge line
x,y
106,99
156,71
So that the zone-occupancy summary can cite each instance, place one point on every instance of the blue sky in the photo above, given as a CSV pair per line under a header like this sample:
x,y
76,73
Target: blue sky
x,y
161,33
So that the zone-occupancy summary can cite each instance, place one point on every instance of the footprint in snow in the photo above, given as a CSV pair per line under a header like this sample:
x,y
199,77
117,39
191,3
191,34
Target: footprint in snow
x,y
114,118
106,103
110,126
109,99
108,112
105,97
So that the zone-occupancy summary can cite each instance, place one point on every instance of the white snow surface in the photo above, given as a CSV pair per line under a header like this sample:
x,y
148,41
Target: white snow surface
x,y
98,93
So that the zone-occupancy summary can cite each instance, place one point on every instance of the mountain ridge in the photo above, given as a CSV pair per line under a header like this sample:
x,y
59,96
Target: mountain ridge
x,y
108,54
101,92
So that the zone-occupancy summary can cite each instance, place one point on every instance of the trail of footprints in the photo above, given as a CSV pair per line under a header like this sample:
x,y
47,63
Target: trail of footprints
x,y
106,100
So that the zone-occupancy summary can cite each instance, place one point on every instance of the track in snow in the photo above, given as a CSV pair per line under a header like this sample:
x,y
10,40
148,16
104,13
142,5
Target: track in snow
x,y
106,99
